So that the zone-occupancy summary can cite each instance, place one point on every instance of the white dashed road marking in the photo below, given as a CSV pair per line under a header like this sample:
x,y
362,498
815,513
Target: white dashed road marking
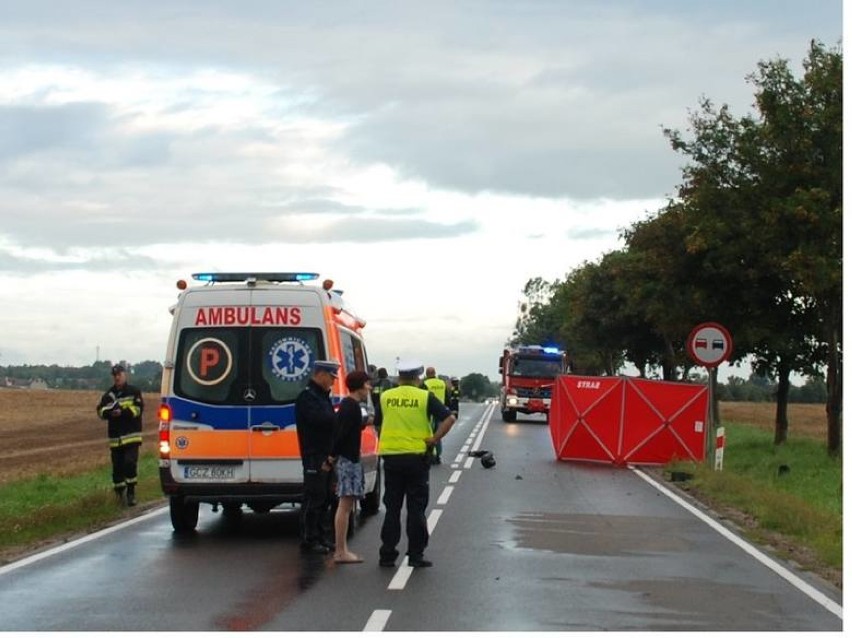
x,y
379,618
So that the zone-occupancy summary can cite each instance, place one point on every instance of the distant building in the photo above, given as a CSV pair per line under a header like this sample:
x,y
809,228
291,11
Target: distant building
x,y
25,384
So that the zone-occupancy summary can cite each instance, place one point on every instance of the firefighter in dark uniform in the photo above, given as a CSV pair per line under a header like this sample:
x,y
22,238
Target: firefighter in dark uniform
x,y
455,396
315,422
121,406
406,441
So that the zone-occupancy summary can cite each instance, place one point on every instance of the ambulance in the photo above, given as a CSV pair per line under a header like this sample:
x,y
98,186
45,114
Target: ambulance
x,y
240,350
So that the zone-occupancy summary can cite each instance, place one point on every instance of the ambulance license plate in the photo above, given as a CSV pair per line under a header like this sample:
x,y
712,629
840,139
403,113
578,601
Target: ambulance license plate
x,y
212,472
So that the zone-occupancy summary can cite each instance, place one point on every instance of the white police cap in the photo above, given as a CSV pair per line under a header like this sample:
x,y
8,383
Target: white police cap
x,y
331,366
409,368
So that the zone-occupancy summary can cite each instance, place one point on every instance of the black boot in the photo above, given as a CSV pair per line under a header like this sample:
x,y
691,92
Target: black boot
x,y
131,495
119,495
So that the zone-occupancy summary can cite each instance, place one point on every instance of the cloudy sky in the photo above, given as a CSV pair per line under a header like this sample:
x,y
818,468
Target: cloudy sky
x,y
429,157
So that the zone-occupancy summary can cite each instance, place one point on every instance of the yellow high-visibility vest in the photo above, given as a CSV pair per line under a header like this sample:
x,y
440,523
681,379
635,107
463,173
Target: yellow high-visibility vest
x,y
405,421
437,387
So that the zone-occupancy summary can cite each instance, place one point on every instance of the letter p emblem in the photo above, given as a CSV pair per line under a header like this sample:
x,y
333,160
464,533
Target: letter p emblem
x,y
209,359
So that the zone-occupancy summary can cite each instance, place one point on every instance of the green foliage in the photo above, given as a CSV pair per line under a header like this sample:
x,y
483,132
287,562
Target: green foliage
x,y
753,241
792,489
43,507
146,375
758,389
475,386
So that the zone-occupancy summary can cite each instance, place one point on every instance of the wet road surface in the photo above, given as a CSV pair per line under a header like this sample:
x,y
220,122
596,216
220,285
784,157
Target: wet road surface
x,y
532,544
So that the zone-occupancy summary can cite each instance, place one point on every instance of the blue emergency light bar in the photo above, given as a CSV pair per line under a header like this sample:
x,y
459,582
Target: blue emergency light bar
x,y
232,277
530,350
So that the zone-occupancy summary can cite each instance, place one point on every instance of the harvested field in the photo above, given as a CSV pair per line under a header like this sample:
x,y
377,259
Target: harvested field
x,y
804,419
57,432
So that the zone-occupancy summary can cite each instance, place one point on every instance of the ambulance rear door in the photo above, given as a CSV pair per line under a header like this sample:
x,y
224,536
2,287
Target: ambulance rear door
x,y
287,336
209,433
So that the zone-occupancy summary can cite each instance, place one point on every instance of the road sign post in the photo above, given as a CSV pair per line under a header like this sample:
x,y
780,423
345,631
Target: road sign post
x,y
709,344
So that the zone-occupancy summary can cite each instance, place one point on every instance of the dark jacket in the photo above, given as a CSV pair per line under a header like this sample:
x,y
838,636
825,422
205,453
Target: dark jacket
x,y
124,428
347,438
315,420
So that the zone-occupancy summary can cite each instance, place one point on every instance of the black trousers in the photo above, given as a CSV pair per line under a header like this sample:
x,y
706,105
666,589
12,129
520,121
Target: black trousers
x,y
406,479
314,516
124,461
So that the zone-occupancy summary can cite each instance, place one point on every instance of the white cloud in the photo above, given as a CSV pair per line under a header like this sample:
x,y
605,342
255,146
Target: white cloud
x,y
431,158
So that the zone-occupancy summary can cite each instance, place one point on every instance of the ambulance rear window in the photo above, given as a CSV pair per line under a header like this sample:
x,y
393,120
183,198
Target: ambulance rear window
x,y
246,366
285,357
209,364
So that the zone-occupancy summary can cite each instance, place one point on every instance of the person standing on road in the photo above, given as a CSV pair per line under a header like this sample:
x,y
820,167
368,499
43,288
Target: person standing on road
x,y
121,407
381,384
455,396
346,451
405,442
315,422
438,387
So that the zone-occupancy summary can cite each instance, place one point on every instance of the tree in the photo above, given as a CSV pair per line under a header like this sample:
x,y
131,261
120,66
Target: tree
x,y
763,197
475,386
538,319
594,323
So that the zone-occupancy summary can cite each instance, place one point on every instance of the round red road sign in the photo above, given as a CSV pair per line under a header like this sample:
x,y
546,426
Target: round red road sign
x,y
709,344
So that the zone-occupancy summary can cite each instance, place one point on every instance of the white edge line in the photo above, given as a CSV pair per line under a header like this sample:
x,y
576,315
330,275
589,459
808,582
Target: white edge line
x,y
468,463
80,541
455,476
378,620
786,574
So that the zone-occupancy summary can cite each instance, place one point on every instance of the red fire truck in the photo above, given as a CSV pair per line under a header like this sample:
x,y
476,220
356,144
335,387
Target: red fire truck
x,y
528,374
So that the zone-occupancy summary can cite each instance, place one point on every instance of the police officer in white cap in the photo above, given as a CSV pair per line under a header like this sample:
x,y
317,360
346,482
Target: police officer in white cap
x,y
404,416
315,421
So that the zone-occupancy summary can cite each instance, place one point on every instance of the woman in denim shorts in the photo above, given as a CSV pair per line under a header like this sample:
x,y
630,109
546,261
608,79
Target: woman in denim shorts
x,y
347,453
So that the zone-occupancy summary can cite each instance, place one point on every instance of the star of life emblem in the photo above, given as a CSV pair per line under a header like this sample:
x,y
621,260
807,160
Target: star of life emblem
x,y
290,359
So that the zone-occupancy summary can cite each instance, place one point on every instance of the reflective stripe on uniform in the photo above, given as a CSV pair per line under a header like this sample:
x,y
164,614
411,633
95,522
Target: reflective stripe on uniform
x,y
125,439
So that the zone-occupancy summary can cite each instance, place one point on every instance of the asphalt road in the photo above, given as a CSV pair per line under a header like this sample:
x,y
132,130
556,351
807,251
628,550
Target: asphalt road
x,y
532,544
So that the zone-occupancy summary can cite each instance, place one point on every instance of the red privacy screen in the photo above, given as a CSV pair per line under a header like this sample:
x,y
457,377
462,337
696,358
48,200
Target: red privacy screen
x,y
622,420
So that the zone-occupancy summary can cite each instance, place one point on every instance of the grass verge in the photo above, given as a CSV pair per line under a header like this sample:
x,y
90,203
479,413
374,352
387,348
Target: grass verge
x,y
788,496
45,507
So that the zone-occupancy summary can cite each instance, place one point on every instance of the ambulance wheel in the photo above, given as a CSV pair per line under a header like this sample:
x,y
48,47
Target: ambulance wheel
x,y
184,514
510,416
371,501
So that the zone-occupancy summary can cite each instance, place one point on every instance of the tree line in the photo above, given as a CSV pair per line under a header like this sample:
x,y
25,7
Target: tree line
x,y
145,375
751,240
